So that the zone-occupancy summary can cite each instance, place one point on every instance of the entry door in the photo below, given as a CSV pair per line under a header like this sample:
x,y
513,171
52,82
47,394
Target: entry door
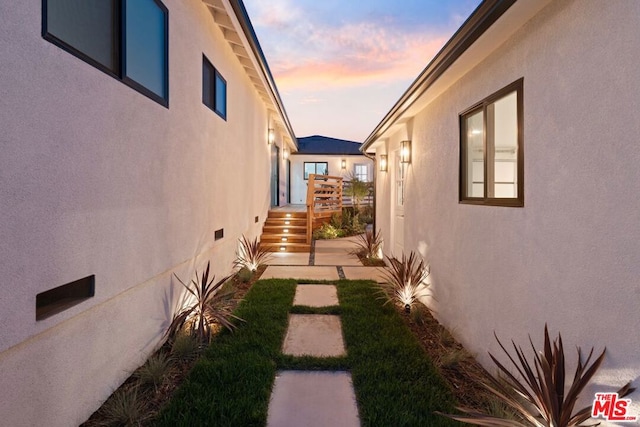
x,y
275,175
397,214
288,181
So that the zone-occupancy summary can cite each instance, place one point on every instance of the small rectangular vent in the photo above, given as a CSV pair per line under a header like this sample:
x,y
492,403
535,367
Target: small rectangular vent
x,y
63,297
219,234
257,219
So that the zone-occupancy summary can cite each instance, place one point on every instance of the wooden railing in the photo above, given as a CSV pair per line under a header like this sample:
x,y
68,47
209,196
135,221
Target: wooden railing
x,y
324,198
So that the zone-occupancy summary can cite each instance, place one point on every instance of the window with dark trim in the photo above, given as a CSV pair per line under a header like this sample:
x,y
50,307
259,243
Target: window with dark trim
x,y
491,150
214,89
126,39
317,168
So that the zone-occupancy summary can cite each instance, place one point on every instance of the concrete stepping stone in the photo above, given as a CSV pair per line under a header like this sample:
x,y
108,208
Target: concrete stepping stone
x,y
316,295
300,272
365,273
318,335
313,399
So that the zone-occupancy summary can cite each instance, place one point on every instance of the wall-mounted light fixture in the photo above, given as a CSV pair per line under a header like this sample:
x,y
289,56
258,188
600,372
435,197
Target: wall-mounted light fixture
x,y
285,153
405,152
343,163
383,163
272,136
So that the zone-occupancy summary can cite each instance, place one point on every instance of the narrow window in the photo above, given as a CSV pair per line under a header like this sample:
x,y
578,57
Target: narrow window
x,y
317,168
127,39
361,172
63,297
491,150
214,89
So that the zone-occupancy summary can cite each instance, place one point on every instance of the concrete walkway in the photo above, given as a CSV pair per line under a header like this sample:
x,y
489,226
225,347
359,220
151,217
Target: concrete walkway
x,y
316,398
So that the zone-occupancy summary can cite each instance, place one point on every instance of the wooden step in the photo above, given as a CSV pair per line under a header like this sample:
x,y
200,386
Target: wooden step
x,y
300,222
284,229
286,247
278,238
278,214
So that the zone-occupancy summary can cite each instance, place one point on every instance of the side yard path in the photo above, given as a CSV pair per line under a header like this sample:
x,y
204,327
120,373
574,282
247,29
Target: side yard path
x,y
395,382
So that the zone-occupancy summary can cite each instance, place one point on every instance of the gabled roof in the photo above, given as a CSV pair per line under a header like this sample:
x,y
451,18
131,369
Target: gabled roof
x,y
317,144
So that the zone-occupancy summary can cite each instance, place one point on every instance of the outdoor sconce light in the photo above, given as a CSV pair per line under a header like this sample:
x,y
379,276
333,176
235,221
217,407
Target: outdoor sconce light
x,y
272,136
383,163
285,154
405,152
343,164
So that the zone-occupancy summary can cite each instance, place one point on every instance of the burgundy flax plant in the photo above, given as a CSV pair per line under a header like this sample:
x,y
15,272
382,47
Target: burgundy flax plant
x,y
250,254
369,244
406,280
538,398
204,308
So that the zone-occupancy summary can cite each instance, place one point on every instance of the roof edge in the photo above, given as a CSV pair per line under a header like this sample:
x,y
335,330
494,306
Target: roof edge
x,y
247,28
482,18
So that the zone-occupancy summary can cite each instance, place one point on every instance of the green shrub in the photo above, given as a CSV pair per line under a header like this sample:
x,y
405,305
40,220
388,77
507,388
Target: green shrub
x,y
154,370
328,231
245,275
184,347
124,408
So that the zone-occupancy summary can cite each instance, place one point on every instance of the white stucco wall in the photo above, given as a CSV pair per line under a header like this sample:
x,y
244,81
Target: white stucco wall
x,y
298,183
96,178
571,256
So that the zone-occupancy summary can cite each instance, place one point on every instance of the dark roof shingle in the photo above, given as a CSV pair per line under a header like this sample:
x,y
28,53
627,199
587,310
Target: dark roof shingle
x,y
317,144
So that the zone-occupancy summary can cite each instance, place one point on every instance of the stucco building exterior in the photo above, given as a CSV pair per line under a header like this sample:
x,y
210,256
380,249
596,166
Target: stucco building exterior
x,y
129,152
519,190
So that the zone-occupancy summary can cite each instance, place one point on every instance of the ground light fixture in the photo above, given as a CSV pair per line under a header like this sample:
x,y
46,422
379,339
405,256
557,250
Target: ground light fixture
x,y
272,136
383,163
343,163
405,152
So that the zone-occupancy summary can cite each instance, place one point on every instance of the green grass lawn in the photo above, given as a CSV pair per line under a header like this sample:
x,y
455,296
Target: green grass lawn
x,y
395,383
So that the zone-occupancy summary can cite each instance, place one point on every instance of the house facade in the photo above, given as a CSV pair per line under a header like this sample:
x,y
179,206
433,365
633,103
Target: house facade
x,y
512,165
137,143
326,156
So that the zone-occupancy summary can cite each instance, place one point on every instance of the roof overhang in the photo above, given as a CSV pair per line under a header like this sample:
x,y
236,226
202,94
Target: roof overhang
x,y
488,27
233,20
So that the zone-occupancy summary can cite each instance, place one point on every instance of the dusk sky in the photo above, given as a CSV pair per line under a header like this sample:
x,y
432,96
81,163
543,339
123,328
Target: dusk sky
x,y
341,65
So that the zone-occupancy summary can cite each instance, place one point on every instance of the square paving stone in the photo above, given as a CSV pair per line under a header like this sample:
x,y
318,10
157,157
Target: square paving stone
x,y
300,272
288,258
365,273
313,399
318,335
316,295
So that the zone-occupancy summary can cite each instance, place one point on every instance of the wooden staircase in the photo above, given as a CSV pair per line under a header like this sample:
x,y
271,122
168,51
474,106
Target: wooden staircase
x,y
292,231
285,232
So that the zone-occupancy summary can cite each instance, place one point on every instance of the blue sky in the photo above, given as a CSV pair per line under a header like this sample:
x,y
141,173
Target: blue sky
x,y
341,65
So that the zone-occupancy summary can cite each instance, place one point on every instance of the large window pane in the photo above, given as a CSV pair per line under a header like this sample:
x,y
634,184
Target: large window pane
x,y
207,83
502,118
86,26
145,45
221,96
475,154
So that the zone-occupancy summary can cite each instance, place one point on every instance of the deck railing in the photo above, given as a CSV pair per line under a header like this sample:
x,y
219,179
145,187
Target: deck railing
x,y
324,198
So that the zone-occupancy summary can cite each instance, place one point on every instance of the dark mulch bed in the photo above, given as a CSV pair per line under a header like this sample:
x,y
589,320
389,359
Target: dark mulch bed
x,y
456,365
155,400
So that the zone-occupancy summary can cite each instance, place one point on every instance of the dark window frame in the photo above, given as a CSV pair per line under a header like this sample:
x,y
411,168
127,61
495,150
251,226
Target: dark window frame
x,y
304,168
518,87
215,74
119,50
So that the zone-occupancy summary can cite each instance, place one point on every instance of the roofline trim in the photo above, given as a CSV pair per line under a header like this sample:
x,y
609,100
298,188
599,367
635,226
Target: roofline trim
x,y
247,28
482,18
